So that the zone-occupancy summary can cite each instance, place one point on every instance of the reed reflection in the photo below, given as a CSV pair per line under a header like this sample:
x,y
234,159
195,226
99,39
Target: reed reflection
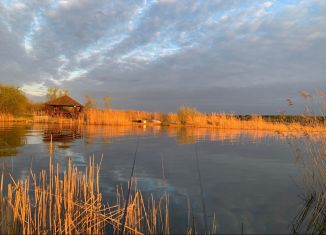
x,y
185,135
63,135
13,136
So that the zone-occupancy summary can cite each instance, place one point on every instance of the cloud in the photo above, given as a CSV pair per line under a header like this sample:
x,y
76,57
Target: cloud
x,y
134,47
34,89
267,4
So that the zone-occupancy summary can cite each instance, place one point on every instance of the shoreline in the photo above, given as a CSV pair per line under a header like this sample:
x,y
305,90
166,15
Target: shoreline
x,y
243,125
186,119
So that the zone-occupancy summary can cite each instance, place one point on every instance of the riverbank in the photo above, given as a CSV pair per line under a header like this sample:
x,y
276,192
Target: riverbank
x,y
5,117
183,118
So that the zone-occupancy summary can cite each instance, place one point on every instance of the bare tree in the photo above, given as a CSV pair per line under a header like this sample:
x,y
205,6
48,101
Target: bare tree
x,y
90,102
55,92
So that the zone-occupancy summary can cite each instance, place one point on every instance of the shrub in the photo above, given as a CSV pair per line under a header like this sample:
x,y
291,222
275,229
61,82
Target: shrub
x,y
186,114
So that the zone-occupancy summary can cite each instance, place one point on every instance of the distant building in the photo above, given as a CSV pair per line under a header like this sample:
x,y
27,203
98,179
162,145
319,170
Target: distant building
x,y
64,106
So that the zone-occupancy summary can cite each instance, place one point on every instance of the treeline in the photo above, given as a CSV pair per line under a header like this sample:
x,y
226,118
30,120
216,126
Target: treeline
x,y
13,100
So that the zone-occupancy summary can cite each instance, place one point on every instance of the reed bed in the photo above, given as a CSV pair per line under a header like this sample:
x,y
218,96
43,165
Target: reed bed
x,y
71,203
50,203
6,117
226,121
114,117
213,120
189,119
311,155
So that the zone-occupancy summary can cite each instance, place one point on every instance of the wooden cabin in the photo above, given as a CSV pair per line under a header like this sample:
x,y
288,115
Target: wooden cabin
x,y
63,106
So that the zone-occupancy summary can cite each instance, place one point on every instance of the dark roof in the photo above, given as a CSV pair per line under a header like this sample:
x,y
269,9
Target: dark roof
x,y
64,101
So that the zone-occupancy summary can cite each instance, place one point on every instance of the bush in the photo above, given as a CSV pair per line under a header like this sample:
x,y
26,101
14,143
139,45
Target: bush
x,y
12,100
186,114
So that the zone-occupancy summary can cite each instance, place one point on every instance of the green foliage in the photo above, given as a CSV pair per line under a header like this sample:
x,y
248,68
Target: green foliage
x,y
55,92
12,100
186,114
107,101
90,102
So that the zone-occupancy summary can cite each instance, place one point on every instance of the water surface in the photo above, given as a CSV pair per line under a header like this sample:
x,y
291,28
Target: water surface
x,y
247,179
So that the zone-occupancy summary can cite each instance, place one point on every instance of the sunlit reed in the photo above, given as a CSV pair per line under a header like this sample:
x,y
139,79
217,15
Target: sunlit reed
x,y
71,203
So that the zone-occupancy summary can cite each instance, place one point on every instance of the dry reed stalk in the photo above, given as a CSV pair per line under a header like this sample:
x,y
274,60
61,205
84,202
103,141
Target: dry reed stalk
x,y
53,212
114,117
72,203
188,118
5,117
311,155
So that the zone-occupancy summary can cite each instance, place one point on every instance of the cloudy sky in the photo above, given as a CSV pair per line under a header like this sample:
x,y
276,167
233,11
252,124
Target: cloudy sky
x,y
242,56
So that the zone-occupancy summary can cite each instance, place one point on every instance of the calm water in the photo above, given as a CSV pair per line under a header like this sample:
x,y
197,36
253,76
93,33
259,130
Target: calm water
x,y
247,178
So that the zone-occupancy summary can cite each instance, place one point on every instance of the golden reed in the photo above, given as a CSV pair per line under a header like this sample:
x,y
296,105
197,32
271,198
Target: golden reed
x,y
71,203
187,117
5,117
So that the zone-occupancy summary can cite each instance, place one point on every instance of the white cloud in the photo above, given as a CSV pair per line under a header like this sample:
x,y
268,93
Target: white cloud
x,y
267,4
19,6
34,89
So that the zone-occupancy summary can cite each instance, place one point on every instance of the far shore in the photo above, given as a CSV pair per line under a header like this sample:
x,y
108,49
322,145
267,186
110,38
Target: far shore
x,y
185,118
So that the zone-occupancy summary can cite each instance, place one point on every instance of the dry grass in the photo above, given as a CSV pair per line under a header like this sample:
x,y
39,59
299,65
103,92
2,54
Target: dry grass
x,y
71,203
311,155
114,117
183,118
5,117
50,203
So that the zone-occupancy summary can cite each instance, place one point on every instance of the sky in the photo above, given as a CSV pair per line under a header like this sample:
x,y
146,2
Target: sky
x,y
241,56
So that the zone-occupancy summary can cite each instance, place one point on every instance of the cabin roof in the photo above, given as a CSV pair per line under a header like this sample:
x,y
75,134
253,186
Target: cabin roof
x,y
64,101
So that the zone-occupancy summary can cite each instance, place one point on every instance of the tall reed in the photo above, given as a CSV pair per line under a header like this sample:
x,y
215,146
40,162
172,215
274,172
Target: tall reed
x,y
114,117
184,118
311,155
6,117
70,203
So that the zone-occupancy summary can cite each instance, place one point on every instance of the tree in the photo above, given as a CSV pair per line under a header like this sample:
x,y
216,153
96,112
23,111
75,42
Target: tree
x,y
90,102
107,101
55,92
12,100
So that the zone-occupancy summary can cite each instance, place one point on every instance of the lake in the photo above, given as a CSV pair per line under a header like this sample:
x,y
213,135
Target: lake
x,y
248,180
